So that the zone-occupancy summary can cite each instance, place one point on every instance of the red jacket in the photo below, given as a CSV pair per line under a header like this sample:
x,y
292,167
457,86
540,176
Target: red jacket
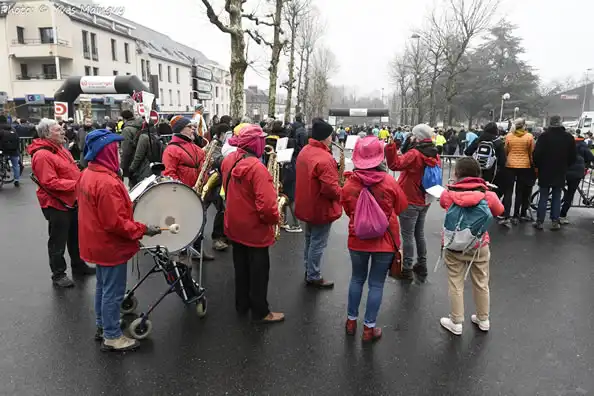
x,y
178,164
317,193
469,196
251,209
390,198
56,171
107,232
412,167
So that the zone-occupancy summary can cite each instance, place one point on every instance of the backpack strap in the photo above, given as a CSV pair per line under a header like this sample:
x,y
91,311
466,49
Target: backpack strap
x,y
187,152
246,155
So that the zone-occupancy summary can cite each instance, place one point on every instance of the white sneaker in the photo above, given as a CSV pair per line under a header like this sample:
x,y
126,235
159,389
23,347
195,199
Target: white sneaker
x,y
563,220
484,325
294,229
454,328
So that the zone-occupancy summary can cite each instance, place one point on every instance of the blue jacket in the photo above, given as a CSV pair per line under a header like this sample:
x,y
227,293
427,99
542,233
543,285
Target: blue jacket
x,y
584,157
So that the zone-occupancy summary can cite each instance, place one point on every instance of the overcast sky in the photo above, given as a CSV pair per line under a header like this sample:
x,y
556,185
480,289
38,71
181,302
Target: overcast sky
x,y
365,35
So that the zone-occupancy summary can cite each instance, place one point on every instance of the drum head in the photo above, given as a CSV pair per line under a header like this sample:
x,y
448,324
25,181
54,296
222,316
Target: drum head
x,y
167,203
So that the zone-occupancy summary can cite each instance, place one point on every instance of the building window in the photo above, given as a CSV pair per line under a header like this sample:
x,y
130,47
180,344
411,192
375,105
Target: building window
x,y
128,74
170,97
49,71
217,107
114,50
143,69
169,73
161,97
20,35
148,70
160,72
177,74
95,71
115,72
178,98
24,72
94,52
87,70
126,53
47,35
216,92
85,41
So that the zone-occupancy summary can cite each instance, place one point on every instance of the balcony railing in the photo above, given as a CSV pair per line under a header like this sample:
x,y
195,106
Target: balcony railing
x,y
39,42
50,76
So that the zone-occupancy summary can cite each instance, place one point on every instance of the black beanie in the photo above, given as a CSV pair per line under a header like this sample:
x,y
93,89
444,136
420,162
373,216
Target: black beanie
x,y
320,129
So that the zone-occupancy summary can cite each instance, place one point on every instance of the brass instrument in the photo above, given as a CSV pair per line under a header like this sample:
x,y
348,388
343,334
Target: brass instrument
x,y
206,165
87,109
282,200
341,164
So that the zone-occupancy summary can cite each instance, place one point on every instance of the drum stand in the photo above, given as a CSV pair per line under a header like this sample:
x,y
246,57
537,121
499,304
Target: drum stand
x,y
191,252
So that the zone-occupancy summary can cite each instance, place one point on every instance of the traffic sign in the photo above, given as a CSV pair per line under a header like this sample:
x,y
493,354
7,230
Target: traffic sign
x,y
60,109
154,116
203,73
140,109
35,99
204,96
204,86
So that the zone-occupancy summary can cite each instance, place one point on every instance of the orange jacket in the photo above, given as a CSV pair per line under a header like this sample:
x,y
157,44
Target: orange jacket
x,y
519,147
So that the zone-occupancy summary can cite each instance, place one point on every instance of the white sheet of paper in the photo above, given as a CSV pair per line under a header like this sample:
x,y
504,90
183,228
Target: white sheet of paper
x,y
351,141
281,144
284,156
435,191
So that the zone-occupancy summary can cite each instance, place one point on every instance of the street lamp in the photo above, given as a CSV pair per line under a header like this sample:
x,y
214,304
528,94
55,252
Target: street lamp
x,y
505,97
516,110
585,90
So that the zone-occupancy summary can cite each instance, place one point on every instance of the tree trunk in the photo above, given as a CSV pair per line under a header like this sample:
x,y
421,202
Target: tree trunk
x,y
298,107
432,115
238,60
277,47
306,84
291,72
450,94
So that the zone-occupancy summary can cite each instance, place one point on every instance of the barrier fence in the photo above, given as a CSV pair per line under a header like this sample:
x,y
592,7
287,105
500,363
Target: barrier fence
x,y
584,197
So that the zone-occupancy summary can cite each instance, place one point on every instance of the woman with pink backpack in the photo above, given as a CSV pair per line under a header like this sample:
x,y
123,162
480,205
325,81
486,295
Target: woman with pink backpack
x,y
373,200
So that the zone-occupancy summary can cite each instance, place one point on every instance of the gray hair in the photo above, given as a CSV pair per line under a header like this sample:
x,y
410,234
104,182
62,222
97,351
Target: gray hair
x,y
44,126
246,120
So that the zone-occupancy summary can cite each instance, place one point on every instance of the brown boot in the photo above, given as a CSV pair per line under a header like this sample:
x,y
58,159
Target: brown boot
x,y
371,334
120,344
272,317
351,327
320,283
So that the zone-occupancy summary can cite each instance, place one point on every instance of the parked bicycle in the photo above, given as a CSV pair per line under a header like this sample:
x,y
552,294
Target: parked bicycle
x,y
587,201
6,174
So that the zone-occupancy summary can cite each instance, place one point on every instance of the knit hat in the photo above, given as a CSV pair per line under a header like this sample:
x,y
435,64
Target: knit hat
x,y
555,121
96,140
177,125
320,129
422,132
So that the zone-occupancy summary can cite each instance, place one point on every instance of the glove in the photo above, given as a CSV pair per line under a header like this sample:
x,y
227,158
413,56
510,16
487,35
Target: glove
x,y
152,230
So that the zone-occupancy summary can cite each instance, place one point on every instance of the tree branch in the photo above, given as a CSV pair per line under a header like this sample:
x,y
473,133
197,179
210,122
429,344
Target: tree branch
x,y
257,20
258,38
214,19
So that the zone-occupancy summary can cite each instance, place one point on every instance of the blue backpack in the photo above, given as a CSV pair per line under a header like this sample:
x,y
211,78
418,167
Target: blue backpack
x,y
432,176
465,227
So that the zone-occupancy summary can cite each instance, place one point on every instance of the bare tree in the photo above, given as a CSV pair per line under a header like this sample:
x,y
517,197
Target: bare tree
x,y
455,28
294,13
309,33
324,65
415,58
435,55
400,76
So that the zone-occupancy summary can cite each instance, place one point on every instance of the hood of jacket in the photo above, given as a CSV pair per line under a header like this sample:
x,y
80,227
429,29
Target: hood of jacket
x,y
39,143
520,132
244,166
468,191
136,123
369,177
429,151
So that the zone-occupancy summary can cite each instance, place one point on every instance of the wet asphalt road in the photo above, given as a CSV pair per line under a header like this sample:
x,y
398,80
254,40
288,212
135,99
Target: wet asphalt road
x,y
540,342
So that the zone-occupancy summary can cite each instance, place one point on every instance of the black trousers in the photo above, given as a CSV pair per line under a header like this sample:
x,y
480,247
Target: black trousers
x,y
252,267
572,186
523,179
63,231
218,225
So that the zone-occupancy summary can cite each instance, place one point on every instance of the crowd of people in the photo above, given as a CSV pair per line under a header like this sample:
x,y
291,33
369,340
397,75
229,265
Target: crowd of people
x,y
87,205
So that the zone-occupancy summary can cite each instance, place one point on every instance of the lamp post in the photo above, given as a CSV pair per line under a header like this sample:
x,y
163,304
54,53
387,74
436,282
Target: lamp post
x,y
505,97
516,110
585,90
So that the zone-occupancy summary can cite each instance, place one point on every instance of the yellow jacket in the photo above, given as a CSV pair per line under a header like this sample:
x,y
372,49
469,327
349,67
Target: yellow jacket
x,y
384,134
519,146
440,140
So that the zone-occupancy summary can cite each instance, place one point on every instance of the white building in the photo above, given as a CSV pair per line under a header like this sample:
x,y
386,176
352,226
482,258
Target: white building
x,y
94,43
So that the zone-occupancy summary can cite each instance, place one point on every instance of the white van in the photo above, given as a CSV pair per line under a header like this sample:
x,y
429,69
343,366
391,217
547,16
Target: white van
x,y
585,122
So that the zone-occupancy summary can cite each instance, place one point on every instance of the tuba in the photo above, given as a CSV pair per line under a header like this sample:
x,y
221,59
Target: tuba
x,y
201,188
282,200
341,164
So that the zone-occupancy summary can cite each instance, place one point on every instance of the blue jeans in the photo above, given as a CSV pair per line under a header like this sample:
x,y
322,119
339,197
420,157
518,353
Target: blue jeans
x,y
111,287
16,169
555,203
380,264
316,240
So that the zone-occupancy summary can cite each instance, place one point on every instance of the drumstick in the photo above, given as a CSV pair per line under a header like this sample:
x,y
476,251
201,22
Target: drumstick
x,y
173,228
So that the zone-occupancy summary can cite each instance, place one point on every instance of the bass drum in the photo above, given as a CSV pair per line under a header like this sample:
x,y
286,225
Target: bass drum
x,y
162,202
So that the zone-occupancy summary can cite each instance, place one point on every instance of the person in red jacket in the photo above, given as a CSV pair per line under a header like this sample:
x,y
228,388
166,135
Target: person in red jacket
x,y
317,198
367,158
183,159
411,164
468,190
251,213
57,174
108,234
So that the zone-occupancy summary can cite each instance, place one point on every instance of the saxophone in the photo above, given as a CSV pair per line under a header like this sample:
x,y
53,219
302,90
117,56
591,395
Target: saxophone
x,y
200,187
341,164
282,200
